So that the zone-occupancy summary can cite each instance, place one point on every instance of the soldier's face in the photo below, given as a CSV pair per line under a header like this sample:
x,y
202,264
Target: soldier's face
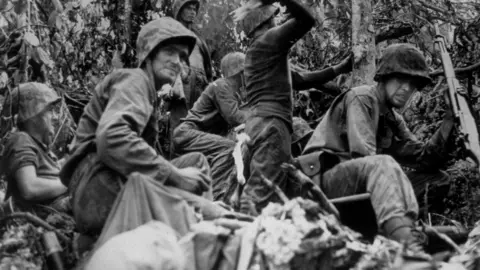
x,y
169,61
188,12
43,125
399,89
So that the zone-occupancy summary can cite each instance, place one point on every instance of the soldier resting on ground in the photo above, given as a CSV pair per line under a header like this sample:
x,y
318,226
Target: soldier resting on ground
x,y
361,124
31,168
222,107
114,154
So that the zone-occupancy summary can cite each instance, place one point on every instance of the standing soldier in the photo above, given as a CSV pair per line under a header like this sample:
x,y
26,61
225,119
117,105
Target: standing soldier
x,y
222,107
269,94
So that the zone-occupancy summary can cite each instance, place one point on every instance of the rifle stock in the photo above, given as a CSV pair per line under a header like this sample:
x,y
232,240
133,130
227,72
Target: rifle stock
x,y
467,127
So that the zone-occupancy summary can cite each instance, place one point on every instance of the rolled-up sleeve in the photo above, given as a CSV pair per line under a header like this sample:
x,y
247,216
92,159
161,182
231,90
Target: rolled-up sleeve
x,y
118,136
19,152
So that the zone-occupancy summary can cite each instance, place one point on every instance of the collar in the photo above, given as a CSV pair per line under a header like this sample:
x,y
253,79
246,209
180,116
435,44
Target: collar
x,y
380,94
44,147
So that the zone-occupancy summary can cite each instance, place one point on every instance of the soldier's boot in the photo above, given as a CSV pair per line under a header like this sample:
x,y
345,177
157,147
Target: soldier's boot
x,y
402,229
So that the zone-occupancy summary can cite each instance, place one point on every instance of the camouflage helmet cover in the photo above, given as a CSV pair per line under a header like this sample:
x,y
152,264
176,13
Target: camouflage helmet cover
x,y
403,59
30,99
232,64
178,4
257,17
160,30
301,129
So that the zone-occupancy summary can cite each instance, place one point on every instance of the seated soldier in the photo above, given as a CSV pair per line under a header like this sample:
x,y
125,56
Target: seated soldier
x,y
222,106
31,168
368,125
114,146
361,124
218,109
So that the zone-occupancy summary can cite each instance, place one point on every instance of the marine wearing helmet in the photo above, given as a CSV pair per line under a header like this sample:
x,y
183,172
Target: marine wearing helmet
x,y
117,135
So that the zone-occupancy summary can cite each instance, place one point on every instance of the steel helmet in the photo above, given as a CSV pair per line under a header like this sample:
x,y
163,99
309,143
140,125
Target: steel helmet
x,y
178,4
232,64
30,99
403,58
301,129
257,17
160,30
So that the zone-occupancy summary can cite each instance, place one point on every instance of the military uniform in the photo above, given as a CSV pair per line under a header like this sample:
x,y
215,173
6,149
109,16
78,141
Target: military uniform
x,y
368,137
116,136
22,149
269,94
201,73
356,127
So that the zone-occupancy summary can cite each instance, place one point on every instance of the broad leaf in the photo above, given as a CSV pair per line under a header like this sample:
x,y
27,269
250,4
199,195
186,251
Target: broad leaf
x,y
3,79
31,39
42,57
3,22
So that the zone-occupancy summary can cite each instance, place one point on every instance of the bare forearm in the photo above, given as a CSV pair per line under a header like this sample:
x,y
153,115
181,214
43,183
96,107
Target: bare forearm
x,y
43,189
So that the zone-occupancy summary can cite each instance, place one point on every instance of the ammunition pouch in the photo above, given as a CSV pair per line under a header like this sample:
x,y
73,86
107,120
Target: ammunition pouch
x,y
315,164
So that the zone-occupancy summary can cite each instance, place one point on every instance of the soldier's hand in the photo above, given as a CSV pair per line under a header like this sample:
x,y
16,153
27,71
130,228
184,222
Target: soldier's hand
x,y
193,180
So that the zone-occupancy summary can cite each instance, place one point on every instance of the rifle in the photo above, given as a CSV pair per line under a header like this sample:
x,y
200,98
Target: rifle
x,y
467,127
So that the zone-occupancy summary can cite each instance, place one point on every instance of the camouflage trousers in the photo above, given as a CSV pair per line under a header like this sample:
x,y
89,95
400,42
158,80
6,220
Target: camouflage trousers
x,y
94,188
270,146
188,138
391,192
217,149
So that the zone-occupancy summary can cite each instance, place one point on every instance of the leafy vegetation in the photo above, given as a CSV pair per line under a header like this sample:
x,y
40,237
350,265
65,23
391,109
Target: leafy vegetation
x,y
72,44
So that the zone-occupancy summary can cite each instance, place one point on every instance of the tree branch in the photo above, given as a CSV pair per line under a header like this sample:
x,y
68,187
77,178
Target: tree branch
x,y
437,9
36,221
392,33
457,70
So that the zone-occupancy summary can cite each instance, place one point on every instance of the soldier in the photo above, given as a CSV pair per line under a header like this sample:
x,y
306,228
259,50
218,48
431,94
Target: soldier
x,y
216,111
361,124
201,73
366,117
117,132
31,168
222,106
269,94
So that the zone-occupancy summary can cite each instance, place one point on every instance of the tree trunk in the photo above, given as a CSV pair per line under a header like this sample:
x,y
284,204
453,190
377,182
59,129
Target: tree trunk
x,y
363,42
128,21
